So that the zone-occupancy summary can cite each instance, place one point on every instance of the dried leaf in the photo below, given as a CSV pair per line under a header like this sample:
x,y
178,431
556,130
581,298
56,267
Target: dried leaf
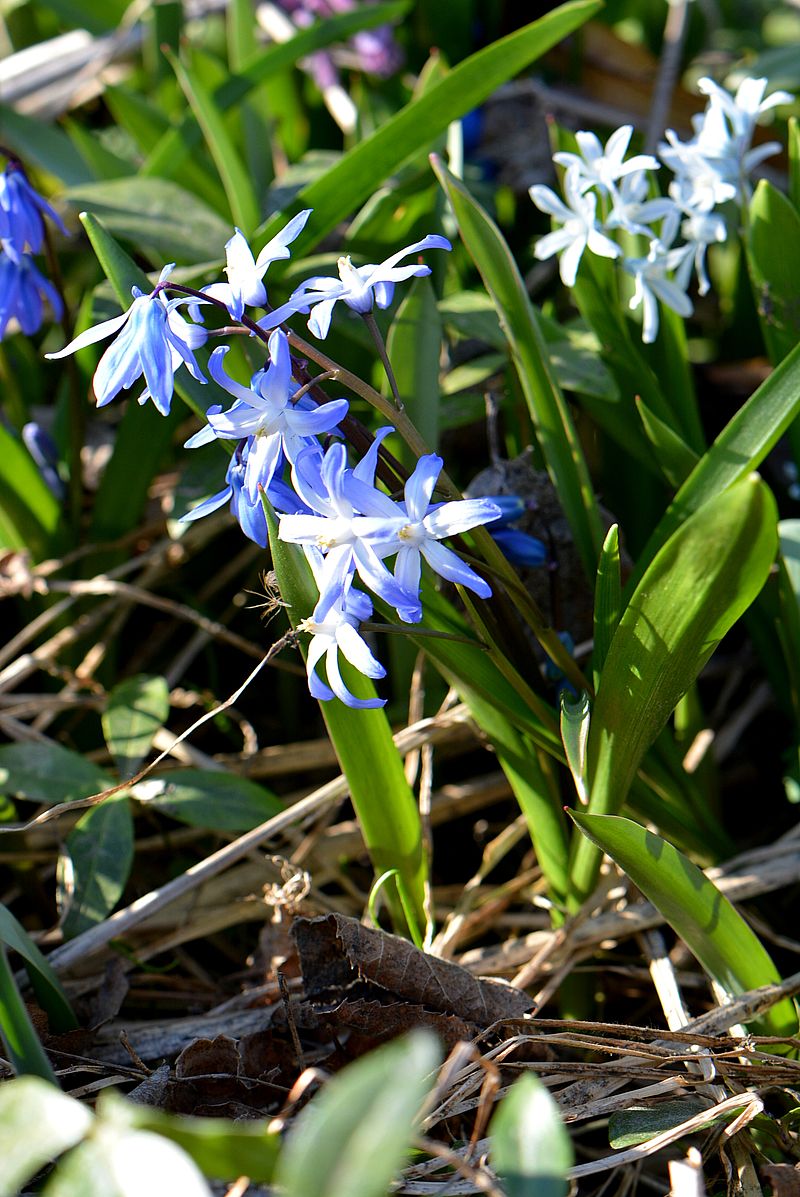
x,y
335,951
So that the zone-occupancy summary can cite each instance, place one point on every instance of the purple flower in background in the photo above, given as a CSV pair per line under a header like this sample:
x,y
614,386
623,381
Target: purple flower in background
x,y
360,287
21,211
372,50
23,291
154,341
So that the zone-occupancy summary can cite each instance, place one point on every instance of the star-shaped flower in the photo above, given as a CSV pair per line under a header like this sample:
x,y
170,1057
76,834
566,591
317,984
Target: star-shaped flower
x,y
154,341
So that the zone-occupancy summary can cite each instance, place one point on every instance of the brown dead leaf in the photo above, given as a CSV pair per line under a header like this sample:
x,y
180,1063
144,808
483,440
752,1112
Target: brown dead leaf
x,y
336,951
784,1179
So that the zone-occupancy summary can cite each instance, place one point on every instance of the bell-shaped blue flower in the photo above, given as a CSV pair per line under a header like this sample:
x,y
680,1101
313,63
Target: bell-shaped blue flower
x,y
154,340
23,291
21,211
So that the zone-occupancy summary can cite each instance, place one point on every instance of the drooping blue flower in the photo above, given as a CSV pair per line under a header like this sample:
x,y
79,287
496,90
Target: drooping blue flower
x,y
334,631
360,287
520,548
245,285
23,291
21,210
44,452
413,529
265,412
326,486
249,513
154,341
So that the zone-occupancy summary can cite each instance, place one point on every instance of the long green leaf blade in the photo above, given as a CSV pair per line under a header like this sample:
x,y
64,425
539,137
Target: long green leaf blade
x,y
712,929
355,177
695,589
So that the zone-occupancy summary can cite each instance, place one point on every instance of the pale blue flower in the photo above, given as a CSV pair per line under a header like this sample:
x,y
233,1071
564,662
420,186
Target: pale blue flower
x,y
603,166
21,210
23,291
245,286
338,496
265,412
154,341
742,111
652,285
336,631
580,229
360,287
633,211
413,529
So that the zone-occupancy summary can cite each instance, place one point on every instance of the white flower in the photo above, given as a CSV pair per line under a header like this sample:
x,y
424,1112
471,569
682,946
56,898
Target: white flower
x,y
245,286
579,230
652,285
633,211
744,109
603,167
360,287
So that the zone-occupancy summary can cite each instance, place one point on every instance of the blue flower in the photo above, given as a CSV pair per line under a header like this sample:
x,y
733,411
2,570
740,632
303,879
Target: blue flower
x,y
413,529
21,209
44,452
520,547
23,290
334,631
154,341
249,513
265,412
360,287
326,486
245,286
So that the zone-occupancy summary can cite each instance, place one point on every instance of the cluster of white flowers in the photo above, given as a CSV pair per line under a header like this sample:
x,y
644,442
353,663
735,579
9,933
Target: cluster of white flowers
x,y
604,193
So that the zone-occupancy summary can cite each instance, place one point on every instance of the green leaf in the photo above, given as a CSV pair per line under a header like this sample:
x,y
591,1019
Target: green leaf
x,y
157,216
220,801
793,146
607,601
43,145
575,721
137,709
220,1147
44,982
169,155
773,258
32,514
399,139
697,586
548,410
103,163
675,459
37,1123
353,1137
49,773
383,800
97,859
116,1162
20,1041
235,179
740,448
629,1128
697,911
530,1150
